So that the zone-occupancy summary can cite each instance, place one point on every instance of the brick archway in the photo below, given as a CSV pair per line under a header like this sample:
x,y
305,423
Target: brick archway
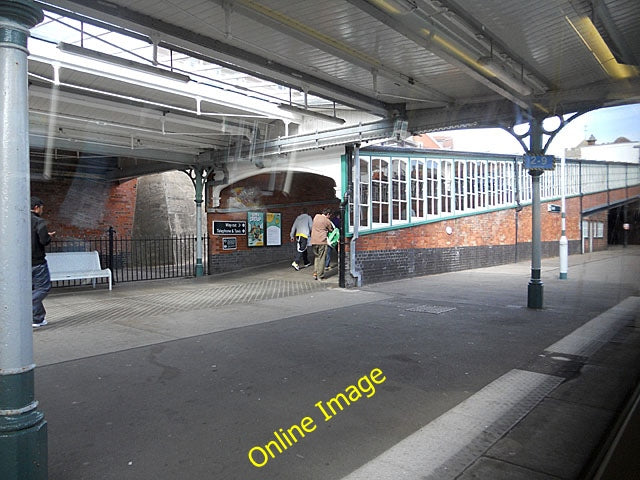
x,y
285,192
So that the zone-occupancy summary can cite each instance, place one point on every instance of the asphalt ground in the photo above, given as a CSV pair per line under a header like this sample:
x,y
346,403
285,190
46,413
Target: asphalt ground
x,y
184,379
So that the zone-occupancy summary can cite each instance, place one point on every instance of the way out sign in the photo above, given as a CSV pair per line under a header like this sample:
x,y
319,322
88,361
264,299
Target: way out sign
x,y
538,162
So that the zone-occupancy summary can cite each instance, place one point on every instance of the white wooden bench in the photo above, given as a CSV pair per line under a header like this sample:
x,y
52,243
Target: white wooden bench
x,y
76,266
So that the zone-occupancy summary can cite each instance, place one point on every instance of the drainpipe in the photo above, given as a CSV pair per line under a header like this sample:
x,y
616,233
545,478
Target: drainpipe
x,y
355,273
343,228
23,429
518,205
581,215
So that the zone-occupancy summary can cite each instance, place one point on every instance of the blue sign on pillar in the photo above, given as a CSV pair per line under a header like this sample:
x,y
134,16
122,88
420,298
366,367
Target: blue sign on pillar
x,y
539,162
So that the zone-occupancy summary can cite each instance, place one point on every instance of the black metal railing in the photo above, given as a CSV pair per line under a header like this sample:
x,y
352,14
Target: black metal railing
x,y
132,260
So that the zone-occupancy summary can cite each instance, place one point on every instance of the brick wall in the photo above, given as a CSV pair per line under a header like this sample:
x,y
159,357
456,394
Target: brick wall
x,y
286,193
80,208
475,241
493,228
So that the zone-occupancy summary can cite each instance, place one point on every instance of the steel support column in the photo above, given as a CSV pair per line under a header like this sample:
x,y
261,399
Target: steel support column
x,y
564,242
23,430
535,287
199,184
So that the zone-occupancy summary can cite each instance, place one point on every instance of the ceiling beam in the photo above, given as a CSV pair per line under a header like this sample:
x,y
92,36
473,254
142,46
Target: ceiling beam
x,y
307,34
429,36
43,141
156,81
140,108
621,47
268,68
462,21
362,133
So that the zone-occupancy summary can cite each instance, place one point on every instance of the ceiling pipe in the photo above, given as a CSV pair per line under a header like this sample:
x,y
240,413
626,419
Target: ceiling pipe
x,y
494,67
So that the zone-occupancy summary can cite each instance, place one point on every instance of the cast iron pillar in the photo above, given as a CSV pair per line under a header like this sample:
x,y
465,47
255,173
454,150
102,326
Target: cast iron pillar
x,y
535,287
564,242
23,430
199,174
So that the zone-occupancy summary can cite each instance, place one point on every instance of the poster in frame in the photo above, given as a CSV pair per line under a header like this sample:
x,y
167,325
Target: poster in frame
x,y
274,229
255,229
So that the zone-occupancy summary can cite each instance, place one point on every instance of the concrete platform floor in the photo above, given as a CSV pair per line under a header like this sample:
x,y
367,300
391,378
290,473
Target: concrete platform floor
x,y
185,379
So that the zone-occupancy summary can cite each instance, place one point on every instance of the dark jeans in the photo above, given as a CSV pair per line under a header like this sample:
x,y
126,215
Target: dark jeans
x,y
301,250
330,251
40,286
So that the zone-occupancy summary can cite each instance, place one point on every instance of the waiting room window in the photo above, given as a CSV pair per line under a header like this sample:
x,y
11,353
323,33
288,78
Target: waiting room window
x,y
433,192
460,185
364,194
380,190
399,189
417,188
447,187
492,184
481,184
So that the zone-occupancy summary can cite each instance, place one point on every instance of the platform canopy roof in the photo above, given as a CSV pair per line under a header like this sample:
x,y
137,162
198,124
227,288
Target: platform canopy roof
x,y
242,71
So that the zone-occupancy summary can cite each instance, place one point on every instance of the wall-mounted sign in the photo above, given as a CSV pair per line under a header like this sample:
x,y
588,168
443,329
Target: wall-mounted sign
x,y
274,229
553,208
539,162
229,243
229,228
255,236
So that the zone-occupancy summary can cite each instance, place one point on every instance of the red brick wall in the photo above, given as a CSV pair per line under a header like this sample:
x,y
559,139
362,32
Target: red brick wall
x,y
279,192
594,200
494,228
76,209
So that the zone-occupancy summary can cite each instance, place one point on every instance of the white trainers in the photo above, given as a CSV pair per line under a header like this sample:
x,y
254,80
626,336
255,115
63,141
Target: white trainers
x,y
41,324
295,265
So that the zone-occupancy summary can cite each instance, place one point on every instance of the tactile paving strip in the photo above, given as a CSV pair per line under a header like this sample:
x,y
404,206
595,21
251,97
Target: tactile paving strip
x,y
182,300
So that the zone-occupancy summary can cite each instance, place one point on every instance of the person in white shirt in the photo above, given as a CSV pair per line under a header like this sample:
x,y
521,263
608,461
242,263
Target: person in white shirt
x,y
300,233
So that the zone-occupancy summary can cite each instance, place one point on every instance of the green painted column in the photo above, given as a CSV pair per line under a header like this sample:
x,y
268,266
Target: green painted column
x,y
23,430
535,289
199,184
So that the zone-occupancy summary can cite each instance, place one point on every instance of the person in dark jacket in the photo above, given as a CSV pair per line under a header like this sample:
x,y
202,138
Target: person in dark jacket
x,y
40,278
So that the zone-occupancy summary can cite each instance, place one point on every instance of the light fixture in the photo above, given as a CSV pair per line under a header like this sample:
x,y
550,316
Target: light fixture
x,y
495,68
311,113
398,7
121,62
588,33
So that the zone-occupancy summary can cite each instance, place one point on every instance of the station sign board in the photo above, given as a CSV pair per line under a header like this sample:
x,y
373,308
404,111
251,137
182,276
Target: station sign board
x,y
554,208
229,243
539,162
229,227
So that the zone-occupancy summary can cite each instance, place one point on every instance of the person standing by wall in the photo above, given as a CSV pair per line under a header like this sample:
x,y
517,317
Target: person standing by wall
x,y
40,278
321,226
300,232
333,248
